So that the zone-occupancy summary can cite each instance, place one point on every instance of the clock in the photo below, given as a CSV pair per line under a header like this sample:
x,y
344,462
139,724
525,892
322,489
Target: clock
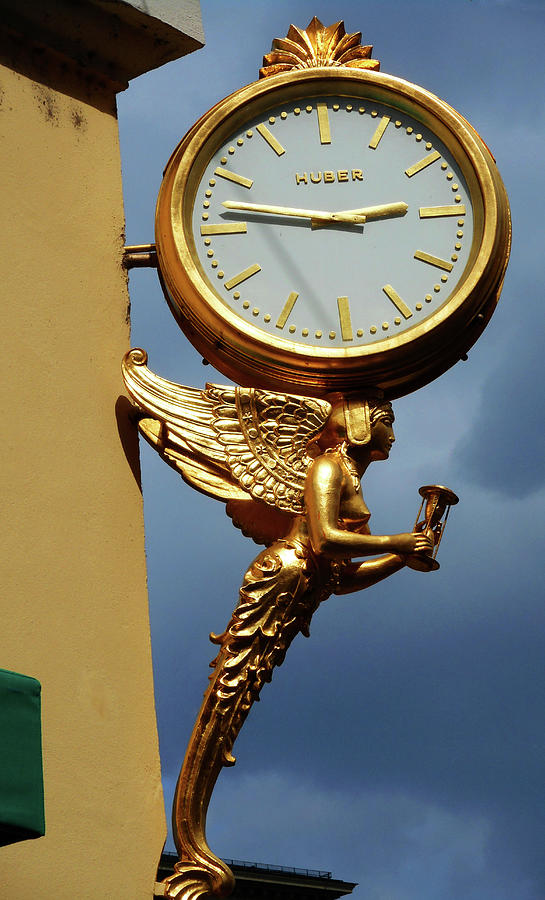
x,y
332,229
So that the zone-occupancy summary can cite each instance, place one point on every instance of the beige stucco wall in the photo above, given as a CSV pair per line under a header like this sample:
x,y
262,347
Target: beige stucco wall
x,y
74,609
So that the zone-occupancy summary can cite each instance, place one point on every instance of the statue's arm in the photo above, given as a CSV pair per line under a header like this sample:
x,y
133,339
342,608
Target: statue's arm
x,y
323,490
358,576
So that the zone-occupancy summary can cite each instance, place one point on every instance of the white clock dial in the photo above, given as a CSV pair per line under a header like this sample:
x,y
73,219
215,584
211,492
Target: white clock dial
x,y
270,249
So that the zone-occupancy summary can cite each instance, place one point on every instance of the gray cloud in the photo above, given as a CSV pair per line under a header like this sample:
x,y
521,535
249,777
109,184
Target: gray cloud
x,y
504,448
395,843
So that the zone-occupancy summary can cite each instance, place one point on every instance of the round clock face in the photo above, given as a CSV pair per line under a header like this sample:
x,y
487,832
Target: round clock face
x,y
322,231
326,282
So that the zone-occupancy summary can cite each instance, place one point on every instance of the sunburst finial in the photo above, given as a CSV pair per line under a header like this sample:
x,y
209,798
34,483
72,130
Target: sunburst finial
x,y
317,46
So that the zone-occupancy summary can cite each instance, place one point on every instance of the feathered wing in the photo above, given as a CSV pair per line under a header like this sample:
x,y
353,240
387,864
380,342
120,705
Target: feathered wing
x,y
244,446
179,422
266,437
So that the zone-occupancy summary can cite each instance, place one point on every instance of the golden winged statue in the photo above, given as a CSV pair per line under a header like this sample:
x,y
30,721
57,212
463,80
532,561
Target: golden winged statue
x,y
289,470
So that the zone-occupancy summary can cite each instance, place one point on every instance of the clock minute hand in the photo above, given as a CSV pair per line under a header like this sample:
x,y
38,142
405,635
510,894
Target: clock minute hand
x,y
351,217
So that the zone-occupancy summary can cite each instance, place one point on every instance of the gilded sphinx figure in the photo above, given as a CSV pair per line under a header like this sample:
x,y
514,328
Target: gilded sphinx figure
x,y
289,469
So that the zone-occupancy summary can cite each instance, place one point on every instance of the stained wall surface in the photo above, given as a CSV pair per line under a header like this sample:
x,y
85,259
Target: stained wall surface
x,y
74,609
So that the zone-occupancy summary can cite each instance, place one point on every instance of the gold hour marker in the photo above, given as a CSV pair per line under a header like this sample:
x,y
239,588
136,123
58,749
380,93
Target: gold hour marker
x,y
323,123
288,306
399,304
423,163
380,129
434,260
344,319
225,228
270,139
232,176
242,276
431,212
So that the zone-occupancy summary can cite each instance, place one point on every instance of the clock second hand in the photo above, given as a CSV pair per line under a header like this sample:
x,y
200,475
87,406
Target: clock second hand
x,y
350,217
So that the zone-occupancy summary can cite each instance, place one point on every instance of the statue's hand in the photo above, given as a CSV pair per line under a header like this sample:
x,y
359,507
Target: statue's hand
x,y
414,542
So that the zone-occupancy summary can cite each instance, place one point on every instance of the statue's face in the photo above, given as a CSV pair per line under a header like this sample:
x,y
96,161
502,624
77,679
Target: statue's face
x,y
382,437
349,424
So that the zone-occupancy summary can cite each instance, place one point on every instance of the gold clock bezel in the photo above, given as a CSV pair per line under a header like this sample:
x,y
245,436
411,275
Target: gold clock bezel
x,y
398,364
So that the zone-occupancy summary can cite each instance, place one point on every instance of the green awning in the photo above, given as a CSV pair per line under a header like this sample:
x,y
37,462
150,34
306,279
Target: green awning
x,y
21,775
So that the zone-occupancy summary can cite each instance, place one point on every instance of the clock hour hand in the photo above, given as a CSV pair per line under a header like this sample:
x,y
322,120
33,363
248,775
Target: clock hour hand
x,y
384,211
347,217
